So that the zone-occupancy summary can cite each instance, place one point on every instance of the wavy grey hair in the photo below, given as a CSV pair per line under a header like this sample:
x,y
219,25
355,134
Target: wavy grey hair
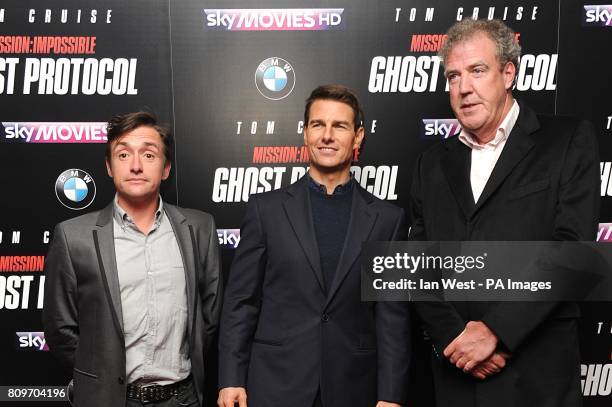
x,y
508,49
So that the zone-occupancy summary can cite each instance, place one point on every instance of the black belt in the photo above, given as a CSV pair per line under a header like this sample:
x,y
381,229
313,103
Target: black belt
x,y
154,392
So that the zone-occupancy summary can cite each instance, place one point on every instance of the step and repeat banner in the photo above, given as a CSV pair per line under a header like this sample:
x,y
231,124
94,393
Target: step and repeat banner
x,y
231,77
65,68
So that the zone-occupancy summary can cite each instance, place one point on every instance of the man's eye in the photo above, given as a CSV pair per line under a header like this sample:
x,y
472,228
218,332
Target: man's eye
x,y
149,156
122,155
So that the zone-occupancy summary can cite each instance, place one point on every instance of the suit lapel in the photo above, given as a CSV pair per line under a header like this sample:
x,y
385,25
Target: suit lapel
x,y
518,145
456,167
105,247
180,226
360,226
299,213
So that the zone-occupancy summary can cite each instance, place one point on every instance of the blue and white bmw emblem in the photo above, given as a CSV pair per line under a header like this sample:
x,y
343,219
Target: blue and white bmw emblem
x,y
275,78
75,189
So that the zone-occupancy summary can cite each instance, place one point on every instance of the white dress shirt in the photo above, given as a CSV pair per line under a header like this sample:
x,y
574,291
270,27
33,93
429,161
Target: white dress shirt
x,y
485,156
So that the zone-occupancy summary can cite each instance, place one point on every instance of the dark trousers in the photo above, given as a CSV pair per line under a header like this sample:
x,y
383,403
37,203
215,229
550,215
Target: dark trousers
x,y
186,397
317,400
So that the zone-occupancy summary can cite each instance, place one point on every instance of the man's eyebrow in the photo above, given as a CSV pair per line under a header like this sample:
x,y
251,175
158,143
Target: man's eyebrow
x,y
341,122
470,67
126,144
478,63
151,144
450,71
120,144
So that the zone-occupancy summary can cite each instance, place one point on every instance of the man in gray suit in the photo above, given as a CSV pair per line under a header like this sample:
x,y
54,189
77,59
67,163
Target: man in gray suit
x,y
133,291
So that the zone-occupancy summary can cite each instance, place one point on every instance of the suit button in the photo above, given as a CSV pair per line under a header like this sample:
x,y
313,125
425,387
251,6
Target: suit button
x,y
120,380
325,317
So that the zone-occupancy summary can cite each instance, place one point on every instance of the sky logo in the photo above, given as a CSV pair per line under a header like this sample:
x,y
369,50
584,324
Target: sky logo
x,y
604,233
32,341
598,15
228,238
440,128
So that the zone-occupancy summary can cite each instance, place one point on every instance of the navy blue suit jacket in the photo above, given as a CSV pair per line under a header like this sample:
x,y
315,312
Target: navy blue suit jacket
x,y
284,334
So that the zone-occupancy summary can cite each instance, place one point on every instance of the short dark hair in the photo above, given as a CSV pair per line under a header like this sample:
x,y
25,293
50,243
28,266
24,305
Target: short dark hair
x,y
120,124
338,93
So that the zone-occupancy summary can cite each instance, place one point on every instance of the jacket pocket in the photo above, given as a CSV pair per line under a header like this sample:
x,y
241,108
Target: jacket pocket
x,y
529,189
267,342
367,343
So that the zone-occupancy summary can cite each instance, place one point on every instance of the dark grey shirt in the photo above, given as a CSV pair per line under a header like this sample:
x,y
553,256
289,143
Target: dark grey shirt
x,y
330,216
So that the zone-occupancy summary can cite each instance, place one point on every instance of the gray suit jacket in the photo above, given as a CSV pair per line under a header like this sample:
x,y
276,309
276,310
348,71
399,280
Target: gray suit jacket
x,y
82,314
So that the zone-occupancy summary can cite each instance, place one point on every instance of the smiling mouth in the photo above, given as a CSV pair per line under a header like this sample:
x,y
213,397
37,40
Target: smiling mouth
x,y
327,149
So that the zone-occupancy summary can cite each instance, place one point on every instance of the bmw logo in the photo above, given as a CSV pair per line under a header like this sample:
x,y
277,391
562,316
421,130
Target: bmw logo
x,y
75,189
275,78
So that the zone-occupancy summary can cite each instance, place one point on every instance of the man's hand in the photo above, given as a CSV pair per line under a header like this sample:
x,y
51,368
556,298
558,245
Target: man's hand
x,y
230,395
474,345
387,404
491,366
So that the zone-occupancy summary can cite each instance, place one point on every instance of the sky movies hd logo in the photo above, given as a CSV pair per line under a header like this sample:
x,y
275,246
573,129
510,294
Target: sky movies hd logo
x,y
291,19
34,341
597,15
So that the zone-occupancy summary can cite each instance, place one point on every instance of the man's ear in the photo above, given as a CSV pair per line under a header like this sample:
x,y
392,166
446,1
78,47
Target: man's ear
x,y
166,170
509,73
109,171
359,137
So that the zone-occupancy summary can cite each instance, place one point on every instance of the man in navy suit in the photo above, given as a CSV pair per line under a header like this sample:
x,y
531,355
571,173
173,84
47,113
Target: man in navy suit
x,y
294,331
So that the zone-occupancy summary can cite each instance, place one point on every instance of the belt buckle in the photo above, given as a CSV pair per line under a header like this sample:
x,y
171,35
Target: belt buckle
x,y
147,395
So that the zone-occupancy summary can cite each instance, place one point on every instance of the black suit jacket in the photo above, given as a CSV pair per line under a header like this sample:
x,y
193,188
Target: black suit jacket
x,y
82,314
284,334
545,186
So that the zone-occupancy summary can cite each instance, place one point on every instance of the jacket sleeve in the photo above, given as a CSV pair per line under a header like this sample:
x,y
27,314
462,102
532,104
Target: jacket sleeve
x,y
242,300
211,283
440,319
60,313
576,219
393,337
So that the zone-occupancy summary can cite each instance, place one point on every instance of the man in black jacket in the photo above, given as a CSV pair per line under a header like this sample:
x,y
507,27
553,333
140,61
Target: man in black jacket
x,y
509,175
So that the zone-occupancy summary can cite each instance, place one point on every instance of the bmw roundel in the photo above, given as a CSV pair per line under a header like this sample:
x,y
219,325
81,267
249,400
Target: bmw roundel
x,y
275,78
75,189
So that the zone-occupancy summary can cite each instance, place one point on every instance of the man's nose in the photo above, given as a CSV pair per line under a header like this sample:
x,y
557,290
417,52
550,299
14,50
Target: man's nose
x,y
465,84
328,134
136,163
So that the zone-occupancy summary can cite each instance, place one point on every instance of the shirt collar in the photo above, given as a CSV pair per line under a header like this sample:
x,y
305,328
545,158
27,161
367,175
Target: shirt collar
x,y
340,189
502,134
124,219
